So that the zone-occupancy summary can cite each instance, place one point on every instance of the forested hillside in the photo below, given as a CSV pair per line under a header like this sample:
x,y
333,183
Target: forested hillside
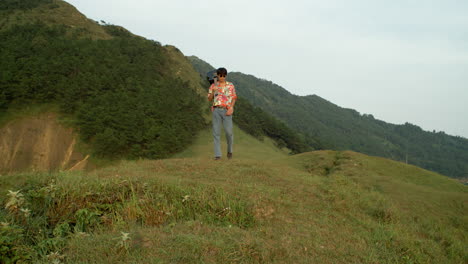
x,y
120,92
260,124
328,126
128,96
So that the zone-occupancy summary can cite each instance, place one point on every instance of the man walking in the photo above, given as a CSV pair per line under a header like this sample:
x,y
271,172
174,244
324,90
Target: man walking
x,y
223,95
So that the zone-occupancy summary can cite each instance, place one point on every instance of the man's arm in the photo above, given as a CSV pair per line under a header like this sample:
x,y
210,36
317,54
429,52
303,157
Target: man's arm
x,y
230,110
210,94
233,102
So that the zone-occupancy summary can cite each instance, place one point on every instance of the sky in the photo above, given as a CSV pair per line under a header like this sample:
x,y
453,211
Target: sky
x,y
400,60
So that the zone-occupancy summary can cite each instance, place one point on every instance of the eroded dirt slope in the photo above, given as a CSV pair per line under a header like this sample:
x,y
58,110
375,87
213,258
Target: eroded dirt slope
x,y
40,144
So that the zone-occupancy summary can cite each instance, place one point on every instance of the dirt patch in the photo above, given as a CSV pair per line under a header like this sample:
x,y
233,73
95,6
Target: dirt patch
x,y
38,143
265,211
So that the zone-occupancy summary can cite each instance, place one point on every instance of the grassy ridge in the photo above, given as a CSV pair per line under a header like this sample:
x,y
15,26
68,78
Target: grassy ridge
x,y
245,147
325,125
318,207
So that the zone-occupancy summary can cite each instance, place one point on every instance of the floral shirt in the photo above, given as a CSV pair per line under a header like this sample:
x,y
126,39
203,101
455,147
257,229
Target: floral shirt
x,y
223,95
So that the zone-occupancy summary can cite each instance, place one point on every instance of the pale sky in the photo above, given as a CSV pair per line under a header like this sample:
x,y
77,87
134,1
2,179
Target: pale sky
x,y
399,60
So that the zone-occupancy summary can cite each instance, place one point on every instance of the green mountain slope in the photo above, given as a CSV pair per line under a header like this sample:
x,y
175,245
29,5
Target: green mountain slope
x,y
328,126
117,89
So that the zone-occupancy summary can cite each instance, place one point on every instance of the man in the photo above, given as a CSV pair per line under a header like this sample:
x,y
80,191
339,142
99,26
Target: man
x,y
223,95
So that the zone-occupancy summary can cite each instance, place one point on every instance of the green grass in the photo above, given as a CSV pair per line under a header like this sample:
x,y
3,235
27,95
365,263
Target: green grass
x,y
245,147
318,207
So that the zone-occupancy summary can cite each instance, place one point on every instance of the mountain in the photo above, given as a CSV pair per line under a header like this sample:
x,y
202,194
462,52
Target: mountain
x,y
122,95
328,126
116,88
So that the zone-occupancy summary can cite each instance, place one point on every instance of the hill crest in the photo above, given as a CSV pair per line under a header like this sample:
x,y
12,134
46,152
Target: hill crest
x,y
325,125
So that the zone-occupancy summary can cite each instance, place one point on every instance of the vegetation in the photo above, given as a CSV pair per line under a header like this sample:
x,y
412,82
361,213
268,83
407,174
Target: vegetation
x,y
328,126
246,146
11,5
46,212
326,207
119,92
258,123
125,102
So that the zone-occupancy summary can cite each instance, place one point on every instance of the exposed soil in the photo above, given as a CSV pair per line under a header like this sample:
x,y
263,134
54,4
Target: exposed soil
x,y
38,143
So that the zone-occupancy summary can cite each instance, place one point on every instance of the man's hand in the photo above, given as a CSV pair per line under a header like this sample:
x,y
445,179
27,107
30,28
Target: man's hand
x,y
230,111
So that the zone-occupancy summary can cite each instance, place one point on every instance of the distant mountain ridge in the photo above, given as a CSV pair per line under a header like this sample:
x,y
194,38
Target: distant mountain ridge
x,y
328,126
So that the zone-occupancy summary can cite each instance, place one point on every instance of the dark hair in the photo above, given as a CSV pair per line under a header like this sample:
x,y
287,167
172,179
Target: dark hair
x,y
221,71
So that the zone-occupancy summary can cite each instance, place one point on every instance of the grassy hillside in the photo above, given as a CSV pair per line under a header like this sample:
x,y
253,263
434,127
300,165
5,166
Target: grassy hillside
x,y
245,147
261,207
328,126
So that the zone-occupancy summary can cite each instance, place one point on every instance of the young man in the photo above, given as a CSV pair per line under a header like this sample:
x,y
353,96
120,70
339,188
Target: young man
x,y
223,95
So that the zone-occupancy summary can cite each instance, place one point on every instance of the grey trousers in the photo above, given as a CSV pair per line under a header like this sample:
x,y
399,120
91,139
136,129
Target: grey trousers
x,y
219,116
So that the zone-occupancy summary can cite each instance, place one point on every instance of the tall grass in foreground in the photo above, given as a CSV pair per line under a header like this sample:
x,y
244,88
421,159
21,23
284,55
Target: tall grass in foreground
x,y
403,213
320,207
42,212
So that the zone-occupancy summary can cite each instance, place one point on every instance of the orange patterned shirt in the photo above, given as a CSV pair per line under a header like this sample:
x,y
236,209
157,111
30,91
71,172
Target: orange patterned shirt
x,y
223,95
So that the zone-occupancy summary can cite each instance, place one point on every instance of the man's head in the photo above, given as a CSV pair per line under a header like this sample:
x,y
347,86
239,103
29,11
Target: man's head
x,y
221,72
